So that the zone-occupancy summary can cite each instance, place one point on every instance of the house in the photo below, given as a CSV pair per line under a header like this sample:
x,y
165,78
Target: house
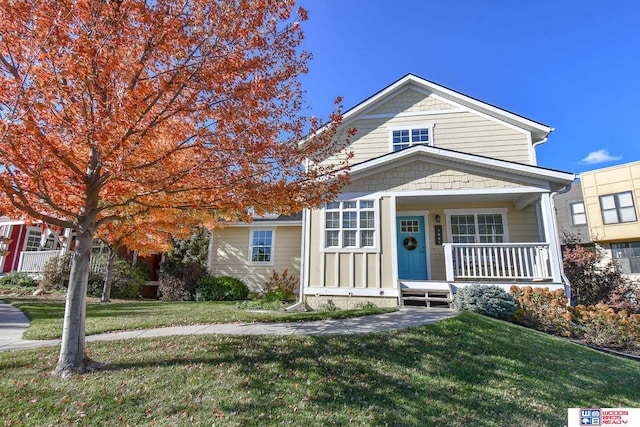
x,y
445,191
571,215
607,211
26,248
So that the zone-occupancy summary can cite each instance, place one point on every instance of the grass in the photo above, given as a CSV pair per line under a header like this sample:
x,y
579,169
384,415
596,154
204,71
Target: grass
x,y
46,315
469,370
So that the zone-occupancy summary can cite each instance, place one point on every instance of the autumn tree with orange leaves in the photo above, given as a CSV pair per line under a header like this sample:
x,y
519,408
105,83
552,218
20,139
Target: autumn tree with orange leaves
x,y
114,108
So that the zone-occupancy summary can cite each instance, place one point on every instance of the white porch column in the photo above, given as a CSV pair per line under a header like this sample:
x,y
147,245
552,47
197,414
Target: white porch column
x,y
551,236
66,241
305,258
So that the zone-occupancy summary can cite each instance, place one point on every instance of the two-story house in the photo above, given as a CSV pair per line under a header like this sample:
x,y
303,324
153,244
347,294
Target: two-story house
x,y
445,191
603,204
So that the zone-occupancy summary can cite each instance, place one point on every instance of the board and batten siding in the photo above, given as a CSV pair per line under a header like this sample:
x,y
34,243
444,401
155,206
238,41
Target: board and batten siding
x,y
352,268
230,254
457,129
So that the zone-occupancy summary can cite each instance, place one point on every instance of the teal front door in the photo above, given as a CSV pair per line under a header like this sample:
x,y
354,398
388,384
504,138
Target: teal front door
x,y
412,247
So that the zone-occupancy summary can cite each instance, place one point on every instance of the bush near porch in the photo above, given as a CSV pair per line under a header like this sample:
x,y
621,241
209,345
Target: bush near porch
x,y
598,325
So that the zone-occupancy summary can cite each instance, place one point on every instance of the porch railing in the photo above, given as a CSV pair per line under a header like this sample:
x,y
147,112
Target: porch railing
x,y
34,261
497,261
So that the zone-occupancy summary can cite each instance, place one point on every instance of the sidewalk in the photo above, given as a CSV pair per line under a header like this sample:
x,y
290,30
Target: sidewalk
x,y
13,323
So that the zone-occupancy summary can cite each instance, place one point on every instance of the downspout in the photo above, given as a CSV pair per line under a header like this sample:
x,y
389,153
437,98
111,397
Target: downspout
x,y
534,156
554,224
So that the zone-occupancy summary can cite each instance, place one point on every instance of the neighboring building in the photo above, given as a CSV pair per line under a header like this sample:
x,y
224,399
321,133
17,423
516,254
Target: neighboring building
x,y
611,196
445,191
571,215
27,247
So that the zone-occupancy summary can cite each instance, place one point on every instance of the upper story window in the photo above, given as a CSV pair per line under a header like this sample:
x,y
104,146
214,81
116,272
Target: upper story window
x,y
617,208
406,136
578,214
489,227
350,224
261,250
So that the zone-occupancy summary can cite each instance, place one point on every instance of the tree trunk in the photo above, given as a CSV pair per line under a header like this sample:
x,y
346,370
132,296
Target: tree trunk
x,y
72,358
106,290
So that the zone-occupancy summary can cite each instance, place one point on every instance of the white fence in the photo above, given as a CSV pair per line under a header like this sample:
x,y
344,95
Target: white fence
x,y
497,261
33,262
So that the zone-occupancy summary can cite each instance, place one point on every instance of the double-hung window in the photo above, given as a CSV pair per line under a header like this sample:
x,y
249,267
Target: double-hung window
x,y
406,136
578,214
617,208
261,247
473,227
350,224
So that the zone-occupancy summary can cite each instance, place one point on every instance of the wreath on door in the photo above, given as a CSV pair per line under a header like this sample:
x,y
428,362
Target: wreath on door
x,y
410,243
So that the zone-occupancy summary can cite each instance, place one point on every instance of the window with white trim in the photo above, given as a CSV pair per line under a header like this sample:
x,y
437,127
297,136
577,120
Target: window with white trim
x,y
477,228
33,239
406,136
578,214
617,208
350,224
261,248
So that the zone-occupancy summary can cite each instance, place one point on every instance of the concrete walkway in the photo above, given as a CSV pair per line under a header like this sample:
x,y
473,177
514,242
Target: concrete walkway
x,y
13,323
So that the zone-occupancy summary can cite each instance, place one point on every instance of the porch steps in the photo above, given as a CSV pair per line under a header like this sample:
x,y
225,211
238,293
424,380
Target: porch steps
x,y
429,294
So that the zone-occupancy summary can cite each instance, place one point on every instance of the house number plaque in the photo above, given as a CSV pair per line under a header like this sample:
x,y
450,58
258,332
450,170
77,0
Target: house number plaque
x,y
438,234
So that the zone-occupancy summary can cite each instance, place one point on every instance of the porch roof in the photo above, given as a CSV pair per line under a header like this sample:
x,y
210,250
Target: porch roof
x,y
556,180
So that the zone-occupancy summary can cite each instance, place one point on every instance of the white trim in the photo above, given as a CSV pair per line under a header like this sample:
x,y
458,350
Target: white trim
x,y
411,114
428,126
427,238
464,192
447,95
484,163
357,249
394,239
476,211
356,292
305,259
467,167
273,246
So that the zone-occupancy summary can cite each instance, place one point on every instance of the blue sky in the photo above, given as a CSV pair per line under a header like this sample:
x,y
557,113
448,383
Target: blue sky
x,y
572,65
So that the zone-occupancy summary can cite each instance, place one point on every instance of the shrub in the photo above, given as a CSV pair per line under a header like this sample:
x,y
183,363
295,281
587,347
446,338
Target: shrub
x,y
55,272
126,281
602,326
542,310
490,300
280,287
179,282
593,281
16,279
223,288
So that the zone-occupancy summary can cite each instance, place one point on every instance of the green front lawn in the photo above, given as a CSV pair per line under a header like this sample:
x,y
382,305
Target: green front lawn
x,y
47,315
469,370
